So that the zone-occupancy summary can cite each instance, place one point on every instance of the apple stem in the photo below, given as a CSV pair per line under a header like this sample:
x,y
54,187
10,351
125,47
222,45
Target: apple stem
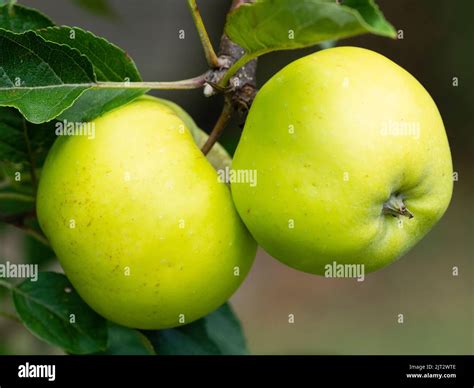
x,y
219,127
396,207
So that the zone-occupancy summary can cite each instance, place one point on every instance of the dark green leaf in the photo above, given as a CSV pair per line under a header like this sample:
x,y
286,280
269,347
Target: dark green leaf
x,y
372,16
45,308
16,196
20,19
219,333
14,207
269,25
110,63
10,187
23,149
126,342
24,142
94,103
36,252
99,7
40,78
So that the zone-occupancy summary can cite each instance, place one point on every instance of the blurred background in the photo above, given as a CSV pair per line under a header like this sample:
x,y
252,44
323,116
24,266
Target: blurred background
x,y
331,316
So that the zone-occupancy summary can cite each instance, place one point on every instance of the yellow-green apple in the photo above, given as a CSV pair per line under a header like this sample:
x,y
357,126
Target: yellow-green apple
x,y
140,223
352,160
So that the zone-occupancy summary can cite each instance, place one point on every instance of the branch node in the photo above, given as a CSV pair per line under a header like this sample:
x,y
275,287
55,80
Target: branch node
x,y
241,89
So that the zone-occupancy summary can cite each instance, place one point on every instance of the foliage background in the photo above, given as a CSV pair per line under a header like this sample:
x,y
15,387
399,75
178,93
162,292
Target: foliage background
x,y
331,316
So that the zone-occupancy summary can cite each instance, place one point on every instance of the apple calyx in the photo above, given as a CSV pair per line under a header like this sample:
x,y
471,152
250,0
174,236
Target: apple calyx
x,y
396,207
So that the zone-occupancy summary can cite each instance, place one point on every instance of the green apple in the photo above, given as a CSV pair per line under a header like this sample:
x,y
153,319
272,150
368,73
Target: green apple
x,y
352,160
139,221
217,156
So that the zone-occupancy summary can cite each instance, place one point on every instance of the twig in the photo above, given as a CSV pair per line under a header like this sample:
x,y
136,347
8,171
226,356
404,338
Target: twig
x,y
237,75
241,62
219,127
239,94
242,66
211,56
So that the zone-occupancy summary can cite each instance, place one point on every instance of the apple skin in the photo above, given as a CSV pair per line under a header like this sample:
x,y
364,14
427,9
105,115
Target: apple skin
x,y
156,238
326,163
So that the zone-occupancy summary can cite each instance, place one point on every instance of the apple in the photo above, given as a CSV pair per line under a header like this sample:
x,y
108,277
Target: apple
x,y
139,221
217,156
352,160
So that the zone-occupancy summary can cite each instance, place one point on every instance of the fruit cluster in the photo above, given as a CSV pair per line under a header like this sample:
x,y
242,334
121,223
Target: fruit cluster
x,y
350,165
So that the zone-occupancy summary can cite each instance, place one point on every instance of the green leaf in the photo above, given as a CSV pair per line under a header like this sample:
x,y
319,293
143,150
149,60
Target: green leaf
x,y
24,142
269,25
98,7
36,252
372,17
94,103
126,342
23,149
14,207
40,78
16,196
45,308
110,63
20,19
219,333
9,186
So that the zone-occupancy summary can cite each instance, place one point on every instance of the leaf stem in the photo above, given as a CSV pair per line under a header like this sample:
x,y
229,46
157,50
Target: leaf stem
x,y
34,180
36,235
18,220
9,316
241,62
219,127
191,83
4,283
17,197
211,57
